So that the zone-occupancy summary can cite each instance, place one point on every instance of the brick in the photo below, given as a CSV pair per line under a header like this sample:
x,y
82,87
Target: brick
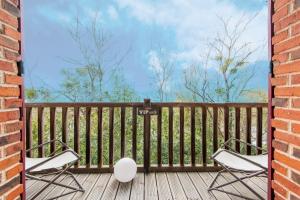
x,y
14,193
282,191
7,66
279,168
295,128
13,148
279,124
13,103
295,177
8,139
296,4
13,127
295,54
287,114
9,43
278,197
286,45
9,19
287,183
287,137
6,162
9,185
279,3
15,170
9,115
296,29
293,197
9,7
293,163
15,2
280,13
287,21
296,152
9,92
287,68
287,91
280,37
296,79
282,80
13,33
13,79
280,145
281,58
280,102
10,55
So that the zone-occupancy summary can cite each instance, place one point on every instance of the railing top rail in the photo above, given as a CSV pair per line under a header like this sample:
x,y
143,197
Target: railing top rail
x,y
140,104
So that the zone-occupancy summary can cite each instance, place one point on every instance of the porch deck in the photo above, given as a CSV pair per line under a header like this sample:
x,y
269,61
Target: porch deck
x,y
183,185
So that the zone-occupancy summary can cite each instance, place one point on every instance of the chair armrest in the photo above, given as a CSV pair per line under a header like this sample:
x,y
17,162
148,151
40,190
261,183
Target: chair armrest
x,y
228,142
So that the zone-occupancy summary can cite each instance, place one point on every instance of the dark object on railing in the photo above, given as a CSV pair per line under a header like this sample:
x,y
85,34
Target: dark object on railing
x,y
185,134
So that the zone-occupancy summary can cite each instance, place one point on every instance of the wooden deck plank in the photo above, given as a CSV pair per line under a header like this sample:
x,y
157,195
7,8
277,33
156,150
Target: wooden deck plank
x,y
59,190
37,186
261,182
124,191
99,187
163,187
175,186
207,179
188,187
150,187
81,179
88,185
111,189
200,186
137,189
230,188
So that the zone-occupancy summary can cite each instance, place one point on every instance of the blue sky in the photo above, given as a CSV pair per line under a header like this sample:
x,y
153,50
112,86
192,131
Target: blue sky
x,y
138,28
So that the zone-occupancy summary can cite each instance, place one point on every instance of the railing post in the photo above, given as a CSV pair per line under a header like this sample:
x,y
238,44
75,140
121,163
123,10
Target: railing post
x,y
147,127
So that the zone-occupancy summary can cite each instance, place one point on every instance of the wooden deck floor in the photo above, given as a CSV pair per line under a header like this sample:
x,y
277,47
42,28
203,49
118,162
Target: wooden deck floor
x,y
178,186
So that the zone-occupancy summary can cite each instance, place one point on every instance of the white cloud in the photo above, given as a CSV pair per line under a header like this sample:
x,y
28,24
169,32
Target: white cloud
x,y
154,62
196,21
112,12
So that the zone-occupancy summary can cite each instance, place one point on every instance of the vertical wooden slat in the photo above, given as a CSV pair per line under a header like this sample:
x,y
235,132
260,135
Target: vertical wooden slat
x,y
88,138
76,132
215,129
111,137
147,128
40,131
248,129
259,129
134,123
204,117
99,133
181,136
123,131
29,130
226,123
193,154
52,129
170,136
159,141
64,125
237,128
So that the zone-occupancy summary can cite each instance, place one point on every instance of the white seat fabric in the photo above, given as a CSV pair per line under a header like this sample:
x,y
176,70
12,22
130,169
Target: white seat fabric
x,y
56,162
232,161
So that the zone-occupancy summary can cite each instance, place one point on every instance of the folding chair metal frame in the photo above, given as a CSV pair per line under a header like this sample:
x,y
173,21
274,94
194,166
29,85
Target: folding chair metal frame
x,y
248,174
40,175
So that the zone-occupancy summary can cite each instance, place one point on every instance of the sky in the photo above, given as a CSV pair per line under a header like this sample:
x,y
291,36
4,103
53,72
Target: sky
x,y
137,30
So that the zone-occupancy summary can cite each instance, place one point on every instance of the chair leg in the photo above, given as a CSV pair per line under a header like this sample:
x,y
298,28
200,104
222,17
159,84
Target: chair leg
x,y
214,180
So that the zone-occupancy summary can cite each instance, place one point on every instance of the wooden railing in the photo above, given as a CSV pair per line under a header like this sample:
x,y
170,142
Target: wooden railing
x,y
159,136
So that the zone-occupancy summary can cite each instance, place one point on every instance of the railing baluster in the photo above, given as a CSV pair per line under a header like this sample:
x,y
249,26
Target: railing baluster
x,y
88,138
170,136
215,129
181,136
64,125
248,129
147,129
259,129
99,144
40,131
123,131
204,153
134,123
159,122
226,123
237,128
52,129
193,156
29,130
111,137
76,132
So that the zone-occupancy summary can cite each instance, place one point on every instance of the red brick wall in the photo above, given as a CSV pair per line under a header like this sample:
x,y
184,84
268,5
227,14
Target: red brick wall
x,y
286,82
10,102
